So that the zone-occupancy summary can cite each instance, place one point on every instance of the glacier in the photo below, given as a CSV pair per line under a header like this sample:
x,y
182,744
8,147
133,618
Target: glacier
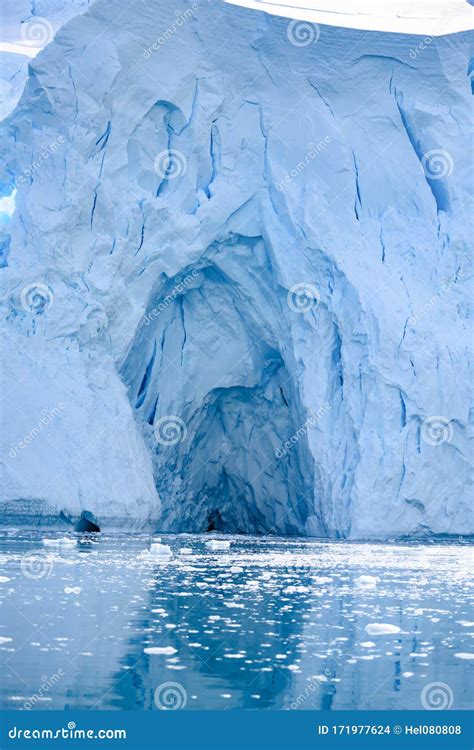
x,y
236,283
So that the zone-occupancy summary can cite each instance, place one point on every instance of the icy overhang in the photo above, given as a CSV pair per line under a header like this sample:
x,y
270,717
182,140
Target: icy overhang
x,y
424,17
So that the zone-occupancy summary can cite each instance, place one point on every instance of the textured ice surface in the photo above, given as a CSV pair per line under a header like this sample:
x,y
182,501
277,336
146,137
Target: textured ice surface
x,y
266,334
26,28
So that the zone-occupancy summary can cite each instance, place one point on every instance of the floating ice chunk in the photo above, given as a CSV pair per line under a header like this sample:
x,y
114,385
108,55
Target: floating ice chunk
x,y
217,544
160,550
464,655
464,623
62,542
407,674
72,589
157,552
236,569
165,650
367,581
322,579
3,639
234,656
185,551
367,644
4,579
295,590
381,628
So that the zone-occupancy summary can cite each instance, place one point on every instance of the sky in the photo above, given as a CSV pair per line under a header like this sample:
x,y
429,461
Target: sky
x,y
424,17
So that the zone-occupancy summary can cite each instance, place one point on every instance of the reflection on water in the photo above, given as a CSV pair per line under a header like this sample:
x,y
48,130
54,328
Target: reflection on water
x,y
268,623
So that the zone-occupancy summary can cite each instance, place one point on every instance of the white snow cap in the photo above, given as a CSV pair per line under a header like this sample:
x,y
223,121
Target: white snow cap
x,y
427,17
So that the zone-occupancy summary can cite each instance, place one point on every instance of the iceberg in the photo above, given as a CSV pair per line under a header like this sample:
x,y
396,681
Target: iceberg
x,y
235,283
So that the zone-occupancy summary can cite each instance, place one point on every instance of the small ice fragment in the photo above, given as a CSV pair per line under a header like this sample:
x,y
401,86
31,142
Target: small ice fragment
x,y
4,579
236,569
62,542
367,644
464,623
464,655
234,656
72,589
217,544
322,579
160,550
185,551
407,674
295,590
367,581
165,650
381,628
3,639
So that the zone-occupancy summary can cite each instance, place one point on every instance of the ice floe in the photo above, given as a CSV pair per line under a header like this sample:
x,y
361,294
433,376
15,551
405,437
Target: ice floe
x,y
163,650
381,628
217,544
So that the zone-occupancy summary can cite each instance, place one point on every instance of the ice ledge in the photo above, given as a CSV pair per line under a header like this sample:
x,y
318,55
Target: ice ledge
x,y
424,17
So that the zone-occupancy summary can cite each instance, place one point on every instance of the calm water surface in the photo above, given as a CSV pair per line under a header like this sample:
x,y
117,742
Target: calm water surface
x,y
268,623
